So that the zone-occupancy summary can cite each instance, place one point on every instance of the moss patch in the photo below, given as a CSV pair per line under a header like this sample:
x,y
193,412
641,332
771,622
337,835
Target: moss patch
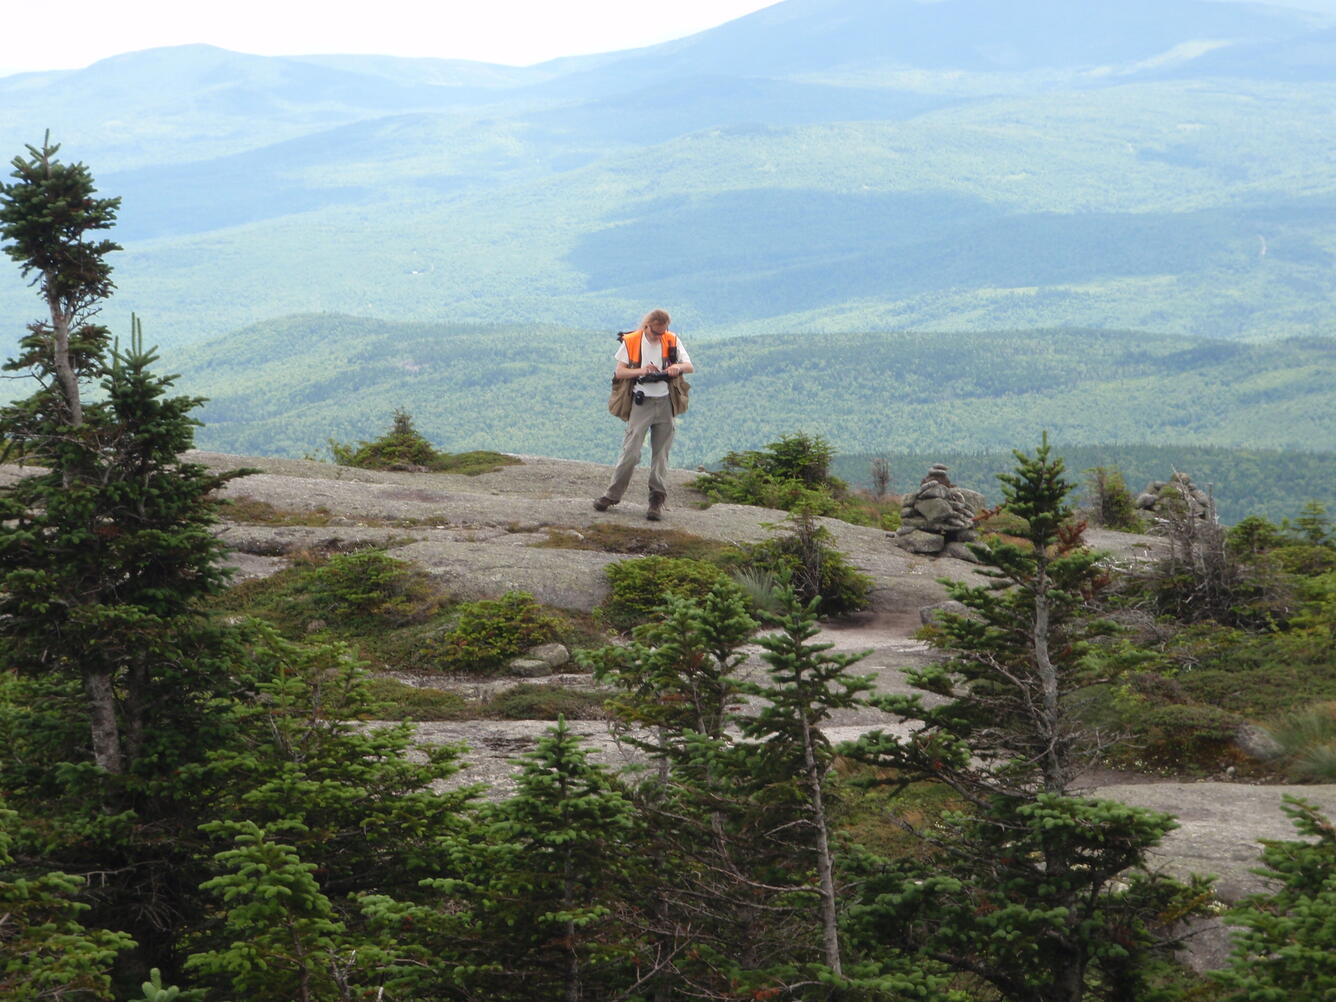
x,y
605,537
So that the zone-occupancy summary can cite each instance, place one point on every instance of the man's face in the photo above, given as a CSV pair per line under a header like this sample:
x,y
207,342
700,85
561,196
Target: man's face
x,y
657,327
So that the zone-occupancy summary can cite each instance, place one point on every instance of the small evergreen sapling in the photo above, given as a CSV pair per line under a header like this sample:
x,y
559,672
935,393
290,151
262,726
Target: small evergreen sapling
x,y
1286,949
534,905
285,942
807,684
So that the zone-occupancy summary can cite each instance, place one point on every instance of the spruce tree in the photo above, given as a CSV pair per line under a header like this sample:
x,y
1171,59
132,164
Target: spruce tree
x,y
284,941
1031,888
106,548
45,950
107,552
677,688
535,905
1285,939
807,684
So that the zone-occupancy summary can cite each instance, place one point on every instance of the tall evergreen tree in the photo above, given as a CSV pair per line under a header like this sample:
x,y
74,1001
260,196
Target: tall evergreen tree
x,y
50,215
677,688
106,551
1023,862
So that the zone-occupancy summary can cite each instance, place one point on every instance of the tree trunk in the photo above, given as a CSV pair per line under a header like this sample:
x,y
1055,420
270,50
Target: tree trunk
x,y
1068,984
573,959
60,360
136,710
1055,773
830,935
102,712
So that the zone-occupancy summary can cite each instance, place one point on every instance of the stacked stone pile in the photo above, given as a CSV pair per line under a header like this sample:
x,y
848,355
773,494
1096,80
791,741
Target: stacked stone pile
x,y
938,518
1174,498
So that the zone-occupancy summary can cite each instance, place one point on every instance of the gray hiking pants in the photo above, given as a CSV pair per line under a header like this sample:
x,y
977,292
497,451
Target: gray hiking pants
x,y
655,416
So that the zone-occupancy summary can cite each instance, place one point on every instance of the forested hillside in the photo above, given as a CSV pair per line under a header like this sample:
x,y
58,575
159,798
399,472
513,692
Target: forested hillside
x,y
285,388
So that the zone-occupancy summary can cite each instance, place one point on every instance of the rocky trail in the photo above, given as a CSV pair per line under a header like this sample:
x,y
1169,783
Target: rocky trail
x,y
474,535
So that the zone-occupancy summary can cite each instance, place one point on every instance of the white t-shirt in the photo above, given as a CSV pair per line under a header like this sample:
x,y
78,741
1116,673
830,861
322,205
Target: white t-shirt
x,y
652,352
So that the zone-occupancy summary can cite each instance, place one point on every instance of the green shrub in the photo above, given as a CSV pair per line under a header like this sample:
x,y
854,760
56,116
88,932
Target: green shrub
x,y
795,470
804,559
369,586
1109,502
488,633
530,701
398,701
1304,559
403,447
638,588
1254,535
793,474
1184,737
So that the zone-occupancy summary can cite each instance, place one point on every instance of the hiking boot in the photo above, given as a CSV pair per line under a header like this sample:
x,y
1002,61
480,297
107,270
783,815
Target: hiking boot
x,y
655,512
604,503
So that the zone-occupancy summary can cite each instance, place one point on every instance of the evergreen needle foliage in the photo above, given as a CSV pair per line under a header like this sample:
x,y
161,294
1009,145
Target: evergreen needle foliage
x,y
1023,861
404,448
1287,946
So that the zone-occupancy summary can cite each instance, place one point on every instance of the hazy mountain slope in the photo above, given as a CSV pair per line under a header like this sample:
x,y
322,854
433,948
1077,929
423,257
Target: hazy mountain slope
x,y
163,106
819,165
987,215
287,386
833,36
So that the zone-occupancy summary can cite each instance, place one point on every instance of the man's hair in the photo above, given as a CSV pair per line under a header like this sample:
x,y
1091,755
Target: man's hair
x,y
655,316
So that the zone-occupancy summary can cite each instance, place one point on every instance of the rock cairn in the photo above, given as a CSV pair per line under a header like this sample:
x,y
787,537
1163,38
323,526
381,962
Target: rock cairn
x,y
938,518
1174,498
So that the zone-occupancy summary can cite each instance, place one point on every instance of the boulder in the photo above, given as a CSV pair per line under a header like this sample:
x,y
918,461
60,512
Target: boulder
x,y
934,509
552,655
929,614
960,551
1255,742
919,541
528,668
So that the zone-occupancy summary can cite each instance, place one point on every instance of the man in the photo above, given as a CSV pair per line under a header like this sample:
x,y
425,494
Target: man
x,y
650,356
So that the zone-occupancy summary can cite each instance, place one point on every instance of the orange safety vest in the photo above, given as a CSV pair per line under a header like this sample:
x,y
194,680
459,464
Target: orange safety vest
x,y
632,341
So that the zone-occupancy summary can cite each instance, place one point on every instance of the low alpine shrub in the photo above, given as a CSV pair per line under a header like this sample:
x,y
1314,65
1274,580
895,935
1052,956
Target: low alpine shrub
x,y
488,633
638,588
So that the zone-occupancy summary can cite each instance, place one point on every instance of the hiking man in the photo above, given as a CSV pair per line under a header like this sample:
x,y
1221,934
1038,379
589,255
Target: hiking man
x,y
652,356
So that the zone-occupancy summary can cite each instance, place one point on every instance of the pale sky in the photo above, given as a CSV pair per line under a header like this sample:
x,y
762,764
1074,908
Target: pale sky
x,y
74,33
